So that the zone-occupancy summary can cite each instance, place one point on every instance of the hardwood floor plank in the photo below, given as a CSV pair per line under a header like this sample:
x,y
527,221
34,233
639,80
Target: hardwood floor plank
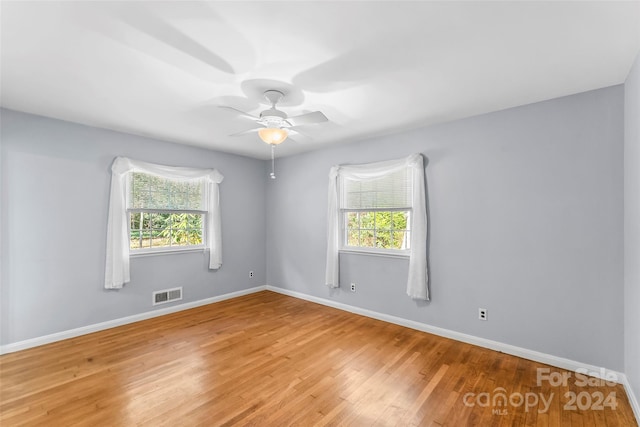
x,y
266,359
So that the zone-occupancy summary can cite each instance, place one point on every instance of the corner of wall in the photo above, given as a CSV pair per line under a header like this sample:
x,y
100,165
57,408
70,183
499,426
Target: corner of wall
x,y
632,235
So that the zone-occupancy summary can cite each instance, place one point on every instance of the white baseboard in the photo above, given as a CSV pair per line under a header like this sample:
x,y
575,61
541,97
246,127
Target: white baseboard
x,y
633,399
559,362
72,333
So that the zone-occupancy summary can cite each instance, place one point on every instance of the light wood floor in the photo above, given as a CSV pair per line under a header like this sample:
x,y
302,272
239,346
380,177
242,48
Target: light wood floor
x,y
270,360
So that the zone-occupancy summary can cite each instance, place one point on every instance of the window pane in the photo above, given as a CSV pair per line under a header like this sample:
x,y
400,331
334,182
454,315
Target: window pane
x,y
135,220
145,238
377,229
157,220
383,220
196,237
194,219
137,223
352,220
353,238
134,242
399,240
399,220
367,238
179,240
146,221
158,238
383,239
166,229
367,220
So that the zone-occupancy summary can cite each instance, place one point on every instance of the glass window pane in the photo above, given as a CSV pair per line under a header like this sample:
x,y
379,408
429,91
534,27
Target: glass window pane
x,y
367,238
352,220
367,220
196,237
399,220
134,241
165,229
383,239
383,220
146,221
179,240
155,220
398,239
377,229
134,221
353,238
194,220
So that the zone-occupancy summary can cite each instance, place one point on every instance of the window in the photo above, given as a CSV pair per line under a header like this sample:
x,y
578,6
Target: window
x,y
165,214
155,207
377,229
376,212
379,208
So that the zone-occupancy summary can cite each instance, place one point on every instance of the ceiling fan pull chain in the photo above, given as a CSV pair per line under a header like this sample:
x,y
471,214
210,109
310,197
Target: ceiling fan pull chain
x,y
273,162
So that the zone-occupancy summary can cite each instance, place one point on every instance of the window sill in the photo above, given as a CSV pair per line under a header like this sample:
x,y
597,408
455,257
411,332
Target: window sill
x,y
384,254
153,252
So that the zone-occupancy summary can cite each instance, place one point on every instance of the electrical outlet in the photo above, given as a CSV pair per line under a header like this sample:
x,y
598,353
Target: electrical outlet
x,y
251,274
483,314
353,287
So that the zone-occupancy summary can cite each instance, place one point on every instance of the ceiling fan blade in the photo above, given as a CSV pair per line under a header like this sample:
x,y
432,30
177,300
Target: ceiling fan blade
x,y
241,113
307,119
246,132
299,136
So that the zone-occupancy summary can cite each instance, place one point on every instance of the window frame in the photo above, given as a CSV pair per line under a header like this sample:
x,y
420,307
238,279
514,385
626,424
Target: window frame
x,y
389,252
145,251
133,252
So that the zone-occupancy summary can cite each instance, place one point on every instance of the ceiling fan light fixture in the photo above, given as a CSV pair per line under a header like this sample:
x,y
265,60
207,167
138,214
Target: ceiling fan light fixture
x,y
273,136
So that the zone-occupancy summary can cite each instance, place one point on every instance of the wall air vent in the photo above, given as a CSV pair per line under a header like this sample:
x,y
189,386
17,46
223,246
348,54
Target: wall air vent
x,y
167,295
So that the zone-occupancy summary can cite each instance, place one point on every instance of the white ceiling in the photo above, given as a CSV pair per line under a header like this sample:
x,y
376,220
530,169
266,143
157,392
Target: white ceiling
x,y
161,69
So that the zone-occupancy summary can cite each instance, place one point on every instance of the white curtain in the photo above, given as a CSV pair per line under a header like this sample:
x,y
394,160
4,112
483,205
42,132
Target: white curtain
x,y
417,283
117,260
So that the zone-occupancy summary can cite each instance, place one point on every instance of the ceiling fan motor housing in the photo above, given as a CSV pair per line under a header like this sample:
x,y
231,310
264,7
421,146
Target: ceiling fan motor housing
x,y
272,118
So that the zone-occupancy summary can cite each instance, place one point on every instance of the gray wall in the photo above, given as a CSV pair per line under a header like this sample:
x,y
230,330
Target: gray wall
x,y
55,188
632,227
526,220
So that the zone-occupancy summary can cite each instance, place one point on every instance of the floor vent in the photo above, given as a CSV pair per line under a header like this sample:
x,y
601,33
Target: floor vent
x,y
167,295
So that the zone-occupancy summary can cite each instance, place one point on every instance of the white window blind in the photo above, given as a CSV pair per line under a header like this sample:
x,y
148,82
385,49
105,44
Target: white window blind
x,y
391,191
154,192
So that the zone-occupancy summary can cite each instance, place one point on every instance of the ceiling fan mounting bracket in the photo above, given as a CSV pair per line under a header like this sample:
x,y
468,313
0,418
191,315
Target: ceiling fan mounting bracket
x,y
273,96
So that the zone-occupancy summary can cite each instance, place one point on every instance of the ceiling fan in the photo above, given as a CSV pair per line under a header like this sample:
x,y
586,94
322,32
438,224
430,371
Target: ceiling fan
x,y
275,125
